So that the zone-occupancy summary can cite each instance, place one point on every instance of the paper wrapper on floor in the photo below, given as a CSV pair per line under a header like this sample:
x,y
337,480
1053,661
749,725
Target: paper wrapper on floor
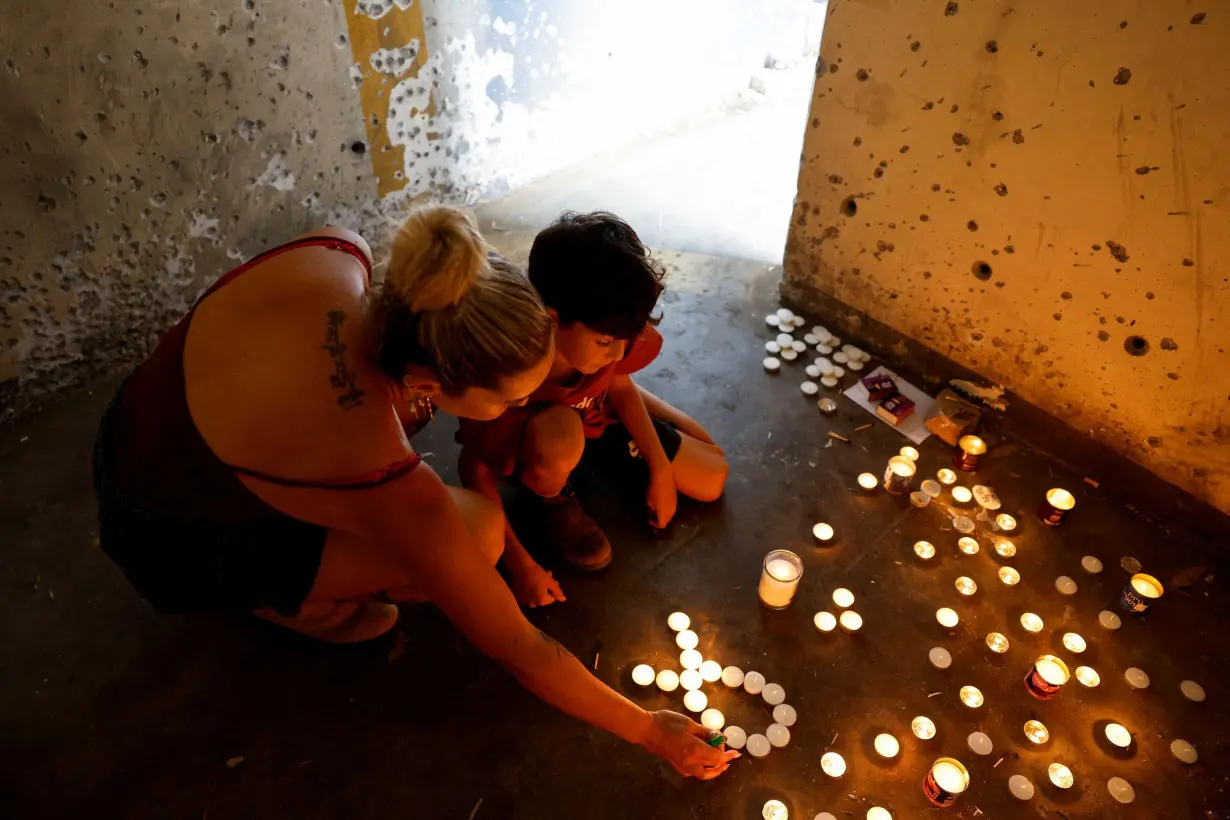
x,y
952,417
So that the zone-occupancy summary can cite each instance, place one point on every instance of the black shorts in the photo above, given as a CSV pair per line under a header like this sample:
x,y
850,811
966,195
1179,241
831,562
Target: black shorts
x,y
615,452
184,566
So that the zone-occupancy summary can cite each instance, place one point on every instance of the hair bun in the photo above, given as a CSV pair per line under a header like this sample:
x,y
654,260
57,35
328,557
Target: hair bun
x,y
438,255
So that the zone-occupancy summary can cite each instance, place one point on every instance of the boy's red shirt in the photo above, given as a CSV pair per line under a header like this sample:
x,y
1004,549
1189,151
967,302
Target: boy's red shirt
x,y
497,442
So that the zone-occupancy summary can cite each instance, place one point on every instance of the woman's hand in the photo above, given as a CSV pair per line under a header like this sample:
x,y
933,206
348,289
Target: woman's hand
x,y
533,585
681,742
662,496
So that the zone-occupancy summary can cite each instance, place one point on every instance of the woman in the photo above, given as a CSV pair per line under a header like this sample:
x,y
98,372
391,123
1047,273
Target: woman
x,y
260,457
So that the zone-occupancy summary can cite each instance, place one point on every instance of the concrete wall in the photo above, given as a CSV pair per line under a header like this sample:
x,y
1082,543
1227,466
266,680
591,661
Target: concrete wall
x,y
148,147
496,93
1040,192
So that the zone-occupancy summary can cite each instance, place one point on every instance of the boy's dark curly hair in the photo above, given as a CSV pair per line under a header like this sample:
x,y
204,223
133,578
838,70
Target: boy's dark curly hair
x,y
592,268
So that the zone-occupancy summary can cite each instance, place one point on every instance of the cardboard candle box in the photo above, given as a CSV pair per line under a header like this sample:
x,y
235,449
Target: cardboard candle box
x,y
895,409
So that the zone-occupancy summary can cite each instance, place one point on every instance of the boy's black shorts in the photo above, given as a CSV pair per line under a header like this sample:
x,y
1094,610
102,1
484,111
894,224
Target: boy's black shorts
x,y
616,453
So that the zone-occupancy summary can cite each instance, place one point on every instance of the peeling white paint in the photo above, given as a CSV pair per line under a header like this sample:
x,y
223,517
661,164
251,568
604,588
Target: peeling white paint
x,y
376,9
276,175
200,225
395,61
505,27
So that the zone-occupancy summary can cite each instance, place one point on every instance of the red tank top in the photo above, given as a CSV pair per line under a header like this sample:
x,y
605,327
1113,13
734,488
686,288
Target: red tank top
x,y
157,455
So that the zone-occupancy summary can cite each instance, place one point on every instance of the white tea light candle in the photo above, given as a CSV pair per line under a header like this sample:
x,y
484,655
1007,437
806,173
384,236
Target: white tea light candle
x,y
940,657
924,550
1091,564
833,764
931,487
979,743
1120,790
753,683
1192,690
711,671
878,813
774,810
779,578
1009,576
822,532
908,452
732,676
966,585
1005,548
773,694
886,745
962,495
758,745
971,696
668,680
1060,775
919,499
642,674
778,735
690,679
1073,642
1031,622
678,621
963,524
1020,787
1136,678
947,617
736,737
712,719
867,481
997,642
1087,676
695,701
825,622
687,639
850,621
785,714
1184,751
946,476
1118,735
690,659
1109,620
771,364
1065,585
1036,732
1004,523
968,545
923,727
843,597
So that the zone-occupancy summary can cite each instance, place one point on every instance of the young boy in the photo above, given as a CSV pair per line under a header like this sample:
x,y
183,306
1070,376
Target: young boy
x,y
600,285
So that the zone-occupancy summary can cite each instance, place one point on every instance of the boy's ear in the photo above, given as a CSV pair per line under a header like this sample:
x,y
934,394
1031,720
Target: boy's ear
x,y
554,314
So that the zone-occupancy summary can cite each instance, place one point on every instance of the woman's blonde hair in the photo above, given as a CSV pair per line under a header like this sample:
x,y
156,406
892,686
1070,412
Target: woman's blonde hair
x,y
452,305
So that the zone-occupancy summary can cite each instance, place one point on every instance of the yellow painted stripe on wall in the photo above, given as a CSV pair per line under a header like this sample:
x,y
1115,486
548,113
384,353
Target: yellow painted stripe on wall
x,y
367,36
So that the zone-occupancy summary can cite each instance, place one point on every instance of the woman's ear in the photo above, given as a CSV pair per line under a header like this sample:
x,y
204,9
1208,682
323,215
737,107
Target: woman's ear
x,y
554,314
420,380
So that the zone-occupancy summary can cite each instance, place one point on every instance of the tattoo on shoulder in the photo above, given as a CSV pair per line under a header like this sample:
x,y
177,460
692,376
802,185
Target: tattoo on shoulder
x,y
343,378
556,645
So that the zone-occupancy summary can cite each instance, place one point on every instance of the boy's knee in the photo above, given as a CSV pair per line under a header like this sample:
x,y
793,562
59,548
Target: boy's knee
x,y
489,531
713,483
553,444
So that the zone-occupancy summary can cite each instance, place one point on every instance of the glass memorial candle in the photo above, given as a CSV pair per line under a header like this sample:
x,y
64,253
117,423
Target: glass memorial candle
x,y
969,452
1047,677
1140,593
1057,505
945,781
779,578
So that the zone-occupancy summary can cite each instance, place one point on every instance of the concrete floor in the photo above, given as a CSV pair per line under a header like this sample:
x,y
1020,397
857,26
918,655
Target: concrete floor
x,y
109,710
720,184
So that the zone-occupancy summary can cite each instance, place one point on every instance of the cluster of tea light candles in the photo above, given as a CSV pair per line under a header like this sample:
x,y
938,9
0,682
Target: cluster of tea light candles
x,y
782,572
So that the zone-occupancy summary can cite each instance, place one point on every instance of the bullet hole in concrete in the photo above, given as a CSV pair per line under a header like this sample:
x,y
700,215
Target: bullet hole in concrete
x,y
982,271
1057,316
1154,441
1144,169
46,203
1174,377
341,40
926,274
992,46
358,148
283,61
878,172
1169,344
815,122
863,75
1187,263
1066,295
960,139
209,137
1208,201
1018,136
80,135
972,225
1001,189
833,69
836,179
1103,336
952,110
849,206
1123,24
1136,345
1123,76
251,42
1118,251
1198,18
1097,247
935,186
905,149
924,218
858,141
927,106
952,9
915,46
1120,319
139,59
